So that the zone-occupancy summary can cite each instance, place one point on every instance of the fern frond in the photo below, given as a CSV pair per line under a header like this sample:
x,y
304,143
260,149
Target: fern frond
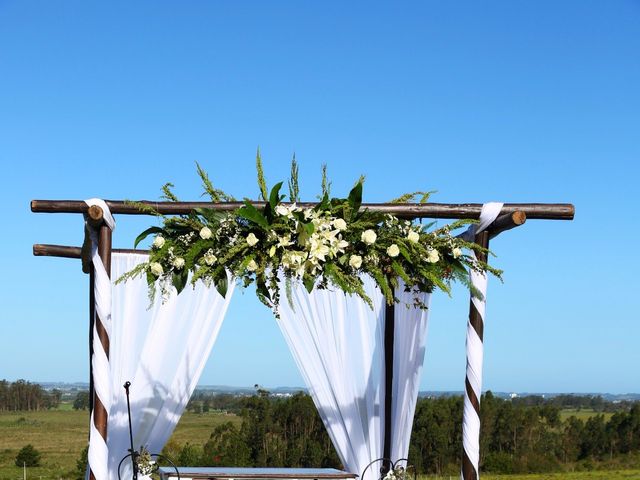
x,y
167,194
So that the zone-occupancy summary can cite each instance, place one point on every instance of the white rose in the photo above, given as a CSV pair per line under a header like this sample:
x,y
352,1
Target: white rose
x,y
393,250
272,251
178,262
205,233
156,268
433,256
355,261
413,237
252,266
369,237
340,224
158,242
210,259
456,252
252,239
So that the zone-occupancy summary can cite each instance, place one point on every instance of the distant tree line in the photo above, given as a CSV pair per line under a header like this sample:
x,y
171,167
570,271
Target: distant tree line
x,y
203,401
27,396
520,435
282,432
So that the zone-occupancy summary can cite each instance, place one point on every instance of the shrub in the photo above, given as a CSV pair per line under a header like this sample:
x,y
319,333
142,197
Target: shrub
x,y
28,456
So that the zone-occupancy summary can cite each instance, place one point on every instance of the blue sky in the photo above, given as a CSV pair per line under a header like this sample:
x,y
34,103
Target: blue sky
x,y
491,101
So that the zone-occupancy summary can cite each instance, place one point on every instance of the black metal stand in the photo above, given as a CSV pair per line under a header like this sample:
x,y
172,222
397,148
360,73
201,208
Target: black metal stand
x,y
132,452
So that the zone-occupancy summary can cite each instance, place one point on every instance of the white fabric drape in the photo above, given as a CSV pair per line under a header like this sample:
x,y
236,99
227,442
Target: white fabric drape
x,y
337,342
161,351
409,345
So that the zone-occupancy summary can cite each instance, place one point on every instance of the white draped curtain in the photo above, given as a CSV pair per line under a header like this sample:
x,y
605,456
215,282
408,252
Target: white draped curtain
x,y
161,350
337,342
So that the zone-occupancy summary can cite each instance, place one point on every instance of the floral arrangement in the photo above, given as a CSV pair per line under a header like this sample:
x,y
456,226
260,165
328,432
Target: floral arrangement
x,y
398,472
144,462
328,246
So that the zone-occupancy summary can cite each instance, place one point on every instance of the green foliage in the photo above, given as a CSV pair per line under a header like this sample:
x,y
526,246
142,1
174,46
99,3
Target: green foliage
x,y
81,401
226,446
330,245
410,197
215,194
168,194
294,188
81,464
190,455
28,456
262,183
22,395
325,184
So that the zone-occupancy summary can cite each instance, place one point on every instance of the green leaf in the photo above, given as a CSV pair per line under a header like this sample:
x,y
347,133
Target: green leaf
x,y
274,196
309,283
309,228
324,204
252,214
263,292
222,285
179,279
146,233
355,198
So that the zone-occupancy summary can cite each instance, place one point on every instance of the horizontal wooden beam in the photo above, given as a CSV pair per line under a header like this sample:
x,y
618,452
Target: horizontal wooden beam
x,y
547,211
44,250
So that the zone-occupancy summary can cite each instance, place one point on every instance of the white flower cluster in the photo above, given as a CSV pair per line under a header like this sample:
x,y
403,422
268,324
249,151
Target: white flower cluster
x,y
314,249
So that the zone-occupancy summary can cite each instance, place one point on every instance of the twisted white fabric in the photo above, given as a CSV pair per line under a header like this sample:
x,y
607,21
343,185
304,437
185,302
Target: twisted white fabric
x,y
98,453
474,346
337,342
162,352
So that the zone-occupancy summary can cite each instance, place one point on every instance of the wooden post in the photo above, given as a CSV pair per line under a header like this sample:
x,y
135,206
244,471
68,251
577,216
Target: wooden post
x,y
477,323
389,335
100,414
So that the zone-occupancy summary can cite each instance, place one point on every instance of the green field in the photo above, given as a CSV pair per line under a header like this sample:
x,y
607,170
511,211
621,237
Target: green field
x,y
60,435
582,414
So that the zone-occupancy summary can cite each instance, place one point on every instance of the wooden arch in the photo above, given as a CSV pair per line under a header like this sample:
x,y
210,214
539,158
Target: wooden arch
x,y
512,215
